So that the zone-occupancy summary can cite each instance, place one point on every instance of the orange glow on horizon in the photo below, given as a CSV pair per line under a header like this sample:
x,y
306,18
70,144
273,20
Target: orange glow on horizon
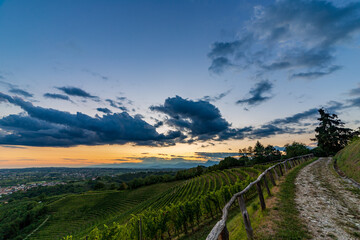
x,y
20,157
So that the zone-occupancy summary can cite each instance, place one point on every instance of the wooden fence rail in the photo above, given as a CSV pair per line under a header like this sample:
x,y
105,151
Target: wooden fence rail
x,y
219,231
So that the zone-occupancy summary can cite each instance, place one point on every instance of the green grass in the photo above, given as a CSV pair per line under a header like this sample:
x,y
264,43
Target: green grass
x,y
290,226
348,160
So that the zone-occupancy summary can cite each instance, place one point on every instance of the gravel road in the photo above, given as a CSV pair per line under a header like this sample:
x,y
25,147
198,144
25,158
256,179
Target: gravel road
x,y
326,204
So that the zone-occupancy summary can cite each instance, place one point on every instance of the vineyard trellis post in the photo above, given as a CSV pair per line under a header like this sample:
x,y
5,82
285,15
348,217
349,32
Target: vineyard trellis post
x,y
261,196
272,179
267,185
224,234
245,214
276,174
285,169
281,172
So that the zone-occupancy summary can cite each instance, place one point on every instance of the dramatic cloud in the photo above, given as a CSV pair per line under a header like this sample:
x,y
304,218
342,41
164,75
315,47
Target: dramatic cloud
x,y
294,35
21,92
200,119
257,93
50,127
77,92
104,110
56,96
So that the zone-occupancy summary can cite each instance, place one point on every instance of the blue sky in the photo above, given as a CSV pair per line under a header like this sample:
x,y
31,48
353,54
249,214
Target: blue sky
x,y
209,76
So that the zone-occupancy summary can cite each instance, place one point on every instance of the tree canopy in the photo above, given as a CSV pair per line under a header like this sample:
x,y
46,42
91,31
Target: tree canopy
x,y
331,134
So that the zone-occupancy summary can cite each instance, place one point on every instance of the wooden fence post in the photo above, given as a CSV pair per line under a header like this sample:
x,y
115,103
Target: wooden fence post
x,y
291,164
285,170
276,174
281,173
261,196
272,178
247,223
224,235
266,185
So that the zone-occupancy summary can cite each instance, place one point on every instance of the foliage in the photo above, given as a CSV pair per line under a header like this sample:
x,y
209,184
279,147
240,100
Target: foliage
x,y
265,154
24,217
330,134
296,149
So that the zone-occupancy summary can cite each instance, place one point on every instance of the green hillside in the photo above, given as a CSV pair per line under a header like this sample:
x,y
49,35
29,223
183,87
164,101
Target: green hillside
x,y
348,160
78,214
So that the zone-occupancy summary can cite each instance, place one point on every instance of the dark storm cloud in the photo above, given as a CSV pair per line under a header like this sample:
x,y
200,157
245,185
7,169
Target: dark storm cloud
x,y
50,127
21,92
77,92
56,96
292,35
257,94
200,119
104,110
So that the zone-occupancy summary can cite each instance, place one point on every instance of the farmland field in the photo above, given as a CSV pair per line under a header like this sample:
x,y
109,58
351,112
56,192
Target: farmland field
x,y
78,214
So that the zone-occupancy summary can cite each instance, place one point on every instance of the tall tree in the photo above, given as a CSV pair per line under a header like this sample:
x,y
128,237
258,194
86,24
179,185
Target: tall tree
x,y
331,134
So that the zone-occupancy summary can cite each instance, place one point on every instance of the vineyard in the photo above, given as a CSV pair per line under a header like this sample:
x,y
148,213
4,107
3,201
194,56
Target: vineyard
x,y
166,210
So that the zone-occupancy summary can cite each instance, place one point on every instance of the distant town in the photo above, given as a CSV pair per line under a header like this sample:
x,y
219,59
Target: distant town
x,y
24,187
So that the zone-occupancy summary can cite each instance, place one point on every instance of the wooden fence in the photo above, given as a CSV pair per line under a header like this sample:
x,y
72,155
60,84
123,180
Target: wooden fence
x,y
220,231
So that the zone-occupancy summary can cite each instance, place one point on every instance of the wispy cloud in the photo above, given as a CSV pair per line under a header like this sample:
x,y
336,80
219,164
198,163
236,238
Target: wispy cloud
x,y
21,92
104,110
257,94
56,96
216,97
77,92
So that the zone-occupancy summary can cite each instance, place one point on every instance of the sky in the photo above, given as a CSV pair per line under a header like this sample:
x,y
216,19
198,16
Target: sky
x,y
100,82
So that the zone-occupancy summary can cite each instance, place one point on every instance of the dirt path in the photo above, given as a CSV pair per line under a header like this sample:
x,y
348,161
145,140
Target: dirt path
x,y
37,228
328,208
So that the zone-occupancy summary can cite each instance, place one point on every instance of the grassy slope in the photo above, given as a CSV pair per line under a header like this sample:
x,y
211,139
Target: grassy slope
x,y
348,160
